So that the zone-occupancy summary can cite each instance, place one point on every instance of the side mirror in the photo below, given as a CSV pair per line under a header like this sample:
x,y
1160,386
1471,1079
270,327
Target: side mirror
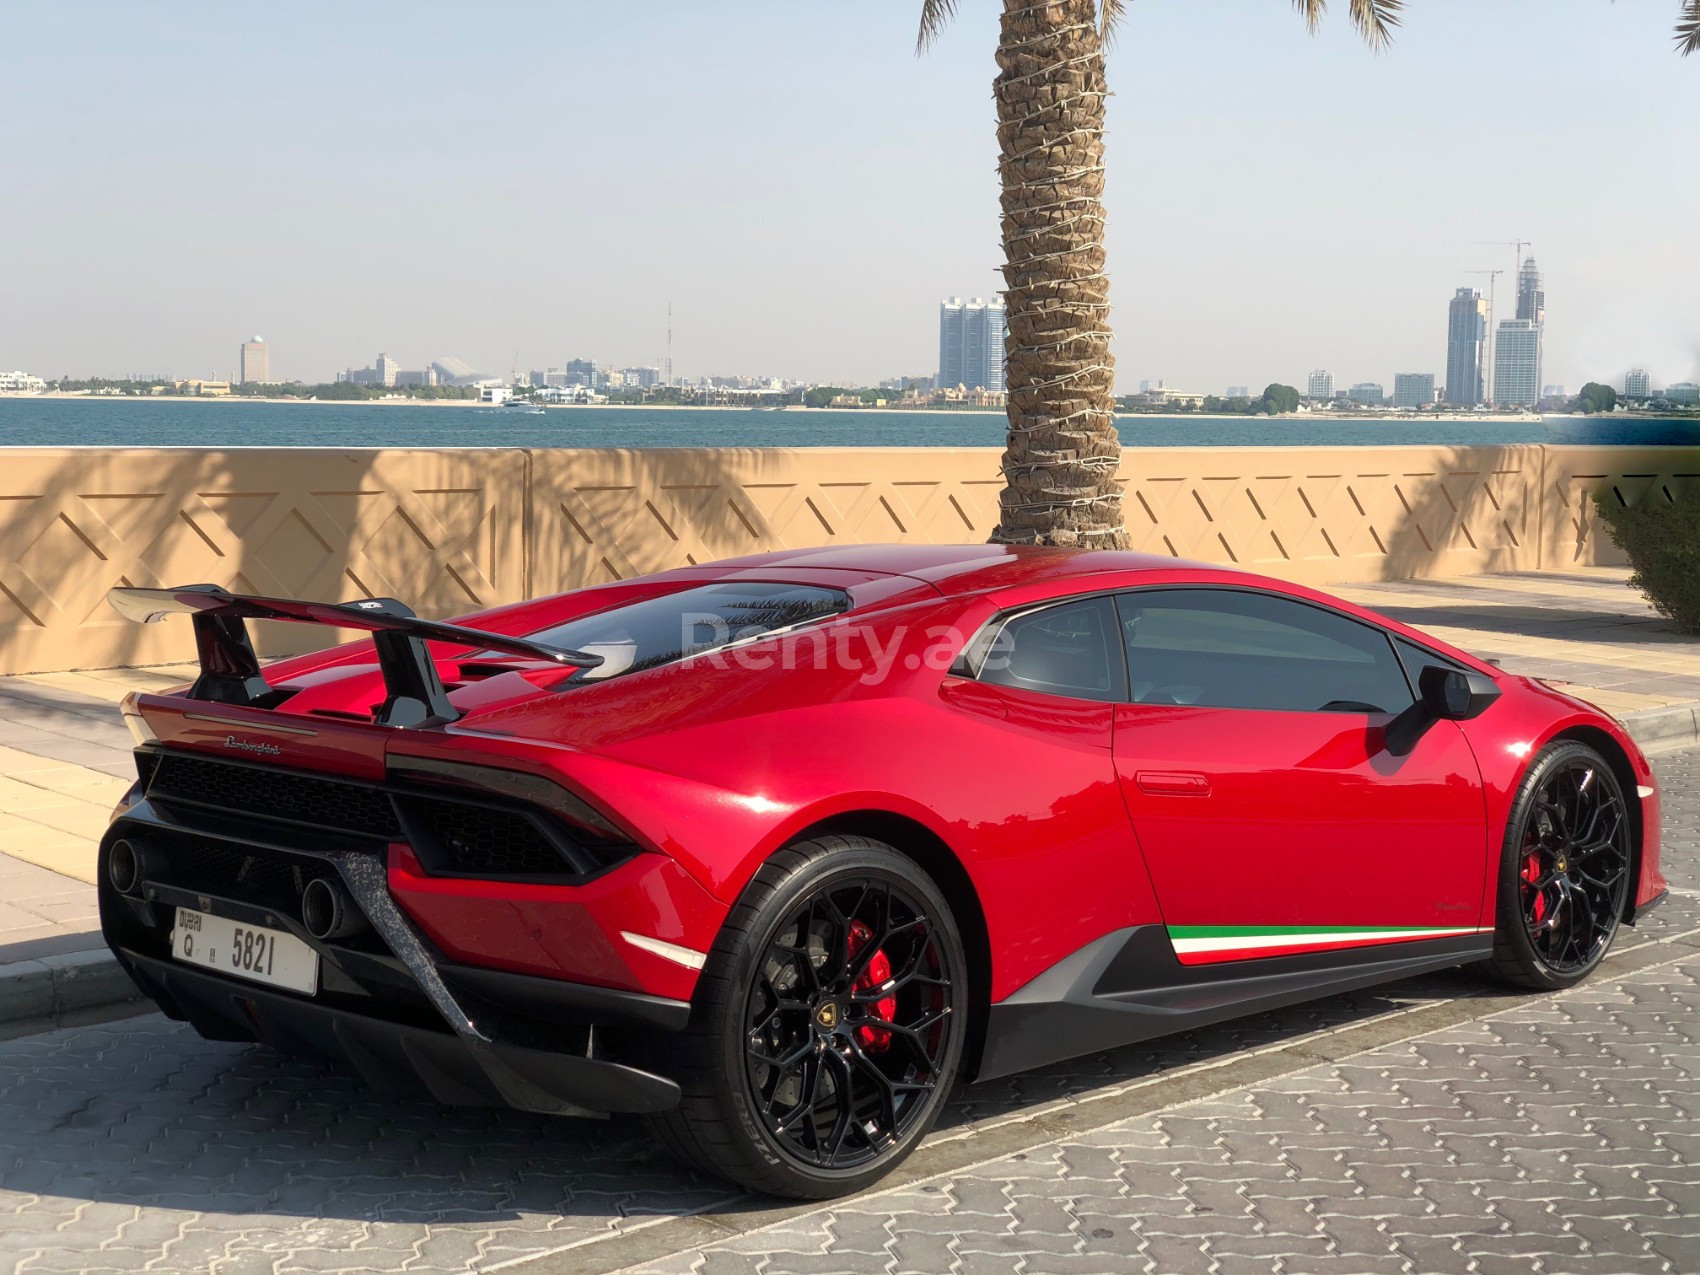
x,y
1450,694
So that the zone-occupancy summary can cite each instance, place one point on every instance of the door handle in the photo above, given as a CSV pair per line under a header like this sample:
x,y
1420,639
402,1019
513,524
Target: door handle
x,y
1172,783
973,696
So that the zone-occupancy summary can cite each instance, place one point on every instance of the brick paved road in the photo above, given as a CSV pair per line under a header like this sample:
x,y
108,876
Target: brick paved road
x,y
1557,1134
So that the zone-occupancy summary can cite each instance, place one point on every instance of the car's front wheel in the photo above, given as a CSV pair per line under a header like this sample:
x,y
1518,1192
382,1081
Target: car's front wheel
x,y
827,1026
1564,869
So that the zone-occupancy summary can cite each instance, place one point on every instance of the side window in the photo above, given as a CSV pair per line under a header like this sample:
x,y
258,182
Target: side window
x,y
1228,648
1416,659
1068,650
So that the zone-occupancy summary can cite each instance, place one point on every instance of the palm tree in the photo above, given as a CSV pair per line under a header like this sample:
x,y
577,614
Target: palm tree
x,y
1062,453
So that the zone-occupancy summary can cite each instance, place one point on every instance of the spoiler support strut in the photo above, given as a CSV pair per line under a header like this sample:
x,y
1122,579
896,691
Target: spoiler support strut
x,y
230,670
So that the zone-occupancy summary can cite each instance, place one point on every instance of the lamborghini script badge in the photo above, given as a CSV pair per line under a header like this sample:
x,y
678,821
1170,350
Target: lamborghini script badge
x,y
258,746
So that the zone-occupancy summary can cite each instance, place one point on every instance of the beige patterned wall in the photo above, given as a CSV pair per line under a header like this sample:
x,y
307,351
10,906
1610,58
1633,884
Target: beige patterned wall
x,y
1628,474
449,531
1309,514
440,529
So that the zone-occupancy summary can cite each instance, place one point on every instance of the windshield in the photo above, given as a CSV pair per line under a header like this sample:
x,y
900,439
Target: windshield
x,y
661,630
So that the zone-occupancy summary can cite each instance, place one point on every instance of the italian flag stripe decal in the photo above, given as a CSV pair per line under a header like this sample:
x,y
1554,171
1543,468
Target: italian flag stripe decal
x,y
1197,944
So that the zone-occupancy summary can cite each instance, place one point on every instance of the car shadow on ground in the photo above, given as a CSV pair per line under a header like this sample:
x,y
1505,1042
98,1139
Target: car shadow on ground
x,y
144,1113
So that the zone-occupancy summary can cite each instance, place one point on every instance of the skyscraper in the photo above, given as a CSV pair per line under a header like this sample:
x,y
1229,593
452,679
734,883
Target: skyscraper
x,y
971,344
1321,385
256,362
1517,363
1532,309
1413,389
1531,296
1637,384
1466,329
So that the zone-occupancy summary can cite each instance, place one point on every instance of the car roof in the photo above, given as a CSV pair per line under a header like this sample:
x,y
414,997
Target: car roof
x,y
961,569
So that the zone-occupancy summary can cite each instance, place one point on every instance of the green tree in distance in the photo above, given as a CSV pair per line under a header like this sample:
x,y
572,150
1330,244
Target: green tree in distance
x,y
1596,398
1281,398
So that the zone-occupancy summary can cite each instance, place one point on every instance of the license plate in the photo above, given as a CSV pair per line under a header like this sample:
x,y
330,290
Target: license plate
x,y
247,951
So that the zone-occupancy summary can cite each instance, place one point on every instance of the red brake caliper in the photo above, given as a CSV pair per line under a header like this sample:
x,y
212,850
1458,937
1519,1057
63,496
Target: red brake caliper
x,y
1531,874
876,972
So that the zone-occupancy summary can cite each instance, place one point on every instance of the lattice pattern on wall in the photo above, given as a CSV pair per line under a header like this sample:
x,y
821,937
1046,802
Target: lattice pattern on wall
x,y
1302,514
450,531
1570,535
440,530
615,514
1401,511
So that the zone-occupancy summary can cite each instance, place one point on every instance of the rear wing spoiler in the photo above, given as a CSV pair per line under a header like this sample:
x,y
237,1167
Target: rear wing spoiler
x,y
230,671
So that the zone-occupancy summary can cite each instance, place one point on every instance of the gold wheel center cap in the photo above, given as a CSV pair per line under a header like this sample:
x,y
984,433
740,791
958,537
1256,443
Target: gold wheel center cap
x,y
1563,864
827,1015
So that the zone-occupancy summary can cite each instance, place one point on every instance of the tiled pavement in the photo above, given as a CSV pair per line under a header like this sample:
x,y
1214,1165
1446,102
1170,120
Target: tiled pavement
x,y
41,912
1434,1126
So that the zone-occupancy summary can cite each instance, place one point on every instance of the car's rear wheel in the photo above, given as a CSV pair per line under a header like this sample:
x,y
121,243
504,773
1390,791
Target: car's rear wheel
x,y
827,1026
1564,869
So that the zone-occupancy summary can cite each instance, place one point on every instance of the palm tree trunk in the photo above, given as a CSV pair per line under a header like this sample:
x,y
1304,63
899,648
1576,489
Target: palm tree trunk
x,y
1060,464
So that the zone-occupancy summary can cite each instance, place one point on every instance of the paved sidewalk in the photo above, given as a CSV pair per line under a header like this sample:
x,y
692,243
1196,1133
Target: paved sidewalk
x,y
41,912
64,761
1585,627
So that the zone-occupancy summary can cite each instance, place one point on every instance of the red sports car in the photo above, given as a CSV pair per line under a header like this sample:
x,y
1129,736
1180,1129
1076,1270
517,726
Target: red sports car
x,y
776,850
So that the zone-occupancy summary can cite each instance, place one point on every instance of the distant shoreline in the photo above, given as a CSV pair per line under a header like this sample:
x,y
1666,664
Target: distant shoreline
x,y
1496,418
473,403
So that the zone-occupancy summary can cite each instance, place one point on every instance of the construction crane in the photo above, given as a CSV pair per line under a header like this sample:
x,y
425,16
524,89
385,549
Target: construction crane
x,y
1487,370
1516,246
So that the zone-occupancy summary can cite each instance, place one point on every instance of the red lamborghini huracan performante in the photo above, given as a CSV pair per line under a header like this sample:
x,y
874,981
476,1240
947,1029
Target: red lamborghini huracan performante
x,y
775,851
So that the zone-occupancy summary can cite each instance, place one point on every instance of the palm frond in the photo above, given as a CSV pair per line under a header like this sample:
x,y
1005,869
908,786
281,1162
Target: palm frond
x,y
1110,14
1311,11
1688,29
934,15
1375,20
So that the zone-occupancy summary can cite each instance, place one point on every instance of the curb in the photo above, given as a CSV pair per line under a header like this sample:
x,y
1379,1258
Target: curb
x,y
42,994
1670,727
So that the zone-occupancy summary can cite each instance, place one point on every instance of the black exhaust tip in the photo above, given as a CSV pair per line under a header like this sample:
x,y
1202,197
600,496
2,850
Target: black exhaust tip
x,y
126,866
328,913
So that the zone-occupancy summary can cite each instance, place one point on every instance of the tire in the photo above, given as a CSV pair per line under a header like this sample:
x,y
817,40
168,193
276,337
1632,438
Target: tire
x,y
1564,871
766,1035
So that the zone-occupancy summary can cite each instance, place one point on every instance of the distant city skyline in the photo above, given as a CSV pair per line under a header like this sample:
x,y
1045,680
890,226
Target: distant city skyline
x,y
483,231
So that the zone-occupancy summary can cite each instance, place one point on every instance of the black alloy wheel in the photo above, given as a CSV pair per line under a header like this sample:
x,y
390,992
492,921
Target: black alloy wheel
x,y
1565,875
828,1024
846,1022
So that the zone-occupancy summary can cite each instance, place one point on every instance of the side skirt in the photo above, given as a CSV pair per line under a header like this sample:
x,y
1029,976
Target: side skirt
x,y
1129,986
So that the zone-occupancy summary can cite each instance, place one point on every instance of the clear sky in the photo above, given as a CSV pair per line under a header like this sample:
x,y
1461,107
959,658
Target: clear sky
x,y
483,179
